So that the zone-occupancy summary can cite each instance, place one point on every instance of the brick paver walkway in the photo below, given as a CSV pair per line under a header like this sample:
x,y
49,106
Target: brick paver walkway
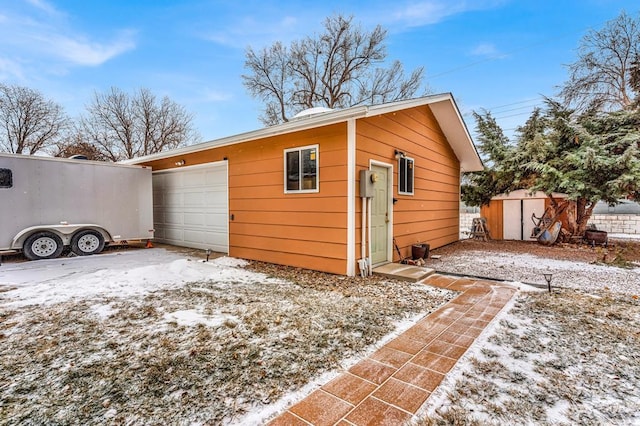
x,y
392,384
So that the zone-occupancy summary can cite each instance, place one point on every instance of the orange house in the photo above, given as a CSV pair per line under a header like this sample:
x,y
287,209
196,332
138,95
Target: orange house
x,y
291,194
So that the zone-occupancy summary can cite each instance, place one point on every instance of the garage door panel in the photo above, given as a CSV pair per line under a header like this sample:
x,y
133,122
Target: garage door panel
x,y
214,198
173,234
194,219
191,236
173,218
213,220
217,243
158,216
215,177
173,199
193,198
191,207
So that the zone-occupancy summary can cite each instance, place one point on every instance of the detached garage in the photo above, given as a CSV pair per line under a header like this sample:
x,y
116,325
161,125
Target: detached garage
x,y
509,216
291,194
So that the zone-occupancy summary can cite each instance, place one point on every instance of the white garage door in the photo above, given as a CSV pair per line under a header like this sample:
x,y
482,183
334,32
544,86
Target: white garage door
x,y
190,206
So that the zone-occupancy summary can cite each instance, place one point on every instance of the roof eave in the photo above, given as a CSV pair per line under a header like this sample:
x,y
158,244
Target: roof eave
x,y
443,106
455,130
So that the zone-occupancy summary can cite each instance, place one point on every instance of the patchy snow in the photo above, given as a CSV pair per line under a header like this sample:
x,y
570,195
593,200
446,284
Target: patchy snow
x,y
149,336
103,311
264,414
535,364
122,274
193,317
529,268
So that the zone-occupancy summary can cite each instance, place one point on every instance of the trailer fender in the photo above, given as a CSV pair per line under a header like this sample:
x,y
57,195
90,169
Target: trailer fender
x,y
65,232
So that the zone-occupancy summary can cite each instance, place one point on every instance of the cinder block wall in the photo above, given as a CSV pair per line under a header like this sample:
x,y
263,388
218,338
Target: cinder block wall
x,y
465,223
612,223
617,223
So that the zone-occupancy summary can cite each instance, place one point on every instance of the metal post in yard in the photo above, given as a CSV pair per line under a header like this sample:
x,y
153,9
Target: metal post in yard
x,y
548,278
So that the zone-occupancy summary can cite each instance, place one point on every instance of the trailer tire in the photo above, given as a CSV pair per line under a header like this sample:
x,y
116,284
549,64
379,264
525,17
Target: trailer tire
x,y
87,242
42,245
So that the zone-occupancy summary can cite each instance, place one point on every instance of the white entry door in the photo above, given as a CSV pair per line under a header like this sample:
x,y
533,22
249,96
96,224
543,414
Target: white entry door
x,y
191,207
380,222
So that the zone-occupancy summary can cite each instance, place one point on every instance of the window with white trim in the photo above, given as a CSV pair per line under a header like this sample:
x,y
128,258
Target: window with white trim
x,y
405,176
301,169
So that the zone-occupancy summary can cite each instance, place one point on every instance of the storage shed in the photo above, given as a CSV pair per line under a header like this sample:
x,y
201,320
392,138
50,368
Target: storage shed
x,y
290,194
509,215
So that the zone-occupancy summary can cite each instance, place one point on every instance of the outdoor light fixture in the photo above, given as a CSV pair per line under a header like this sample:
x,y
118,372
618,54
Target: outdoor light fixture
x,y
180,163
548,278
208,252
399,154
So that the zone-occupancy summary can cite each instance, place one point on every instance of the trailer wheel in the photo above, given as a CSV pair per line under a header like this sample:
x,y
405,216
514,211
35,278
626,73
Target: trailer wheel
x,y
87,242
42,245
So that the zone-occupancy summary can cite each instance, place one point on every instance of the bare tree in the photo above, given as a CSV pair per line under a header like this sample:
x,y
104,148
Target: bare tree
x,y
336,69
75,144
126,126
29,122
601,78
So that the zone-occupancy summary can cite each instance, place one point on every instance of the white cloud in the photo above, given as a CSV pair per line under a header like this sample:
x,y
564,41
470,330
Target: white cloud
x,y
47,42
488,50
10,70
84,52
427,12
44,6
248,31
212,95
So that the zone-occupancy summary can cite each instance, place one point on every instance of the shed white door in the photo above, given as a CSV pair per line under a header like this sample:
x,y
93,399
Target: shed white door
x,y
517,218
191,207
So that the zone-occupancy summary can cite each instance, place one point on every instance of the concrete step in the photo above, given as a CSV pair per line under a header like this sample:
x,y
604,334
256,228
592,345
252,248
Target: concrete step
x,y
402,272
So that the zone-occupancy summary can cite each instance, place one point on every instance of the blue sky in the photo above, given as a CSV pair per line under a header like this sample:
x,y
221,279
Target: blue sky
x,y
500,55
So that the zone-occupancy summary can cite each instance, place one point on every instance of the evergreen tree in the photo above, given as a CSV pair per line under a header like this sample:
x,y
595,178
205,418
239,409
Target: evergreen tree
x,y
590,158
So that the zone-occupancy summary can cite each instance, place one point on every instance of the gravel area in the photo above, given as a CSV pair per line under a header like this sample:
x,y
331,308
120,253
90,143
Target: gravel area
x,y
567,357
583,267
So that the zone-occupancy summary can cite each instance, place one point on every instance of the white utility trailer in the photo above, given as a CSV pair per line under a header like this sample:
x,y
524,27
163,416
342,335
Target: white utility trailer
x,y
49,203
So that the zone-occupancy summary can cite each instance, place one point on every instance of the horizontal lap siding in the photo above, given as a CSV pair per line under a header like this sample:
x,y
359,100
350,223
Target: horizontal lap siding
x,y
431,215
303,230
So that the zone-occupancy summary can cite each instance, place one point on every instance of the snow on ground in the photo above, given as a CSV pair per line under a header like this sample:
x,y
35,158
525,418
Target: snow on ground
x,y
162,329
148,336
569,357
528,268
550,359
122,274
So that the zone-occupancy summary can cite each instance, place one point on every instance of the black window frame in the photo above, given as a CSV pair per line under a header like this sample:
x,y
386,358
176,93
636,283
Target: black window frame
x,y
6,178
406,176
296,156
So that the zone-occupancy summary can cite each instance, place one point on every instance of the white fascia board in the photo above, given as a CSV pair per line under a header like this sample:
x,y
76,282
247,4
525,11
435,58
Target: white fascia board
x,y
443,106
297,125
448,115
455,130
